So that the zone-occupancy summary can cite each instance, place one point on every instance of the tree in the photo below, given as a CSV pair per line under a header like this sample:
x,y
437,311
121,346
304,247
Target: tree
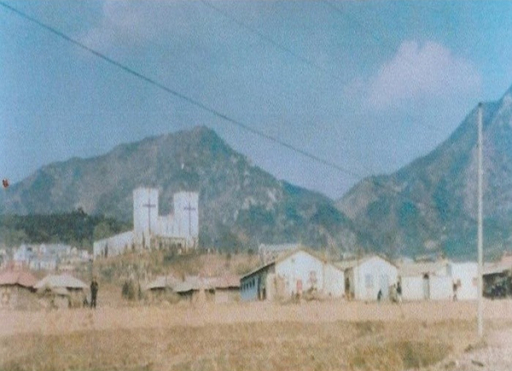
x,y
102,230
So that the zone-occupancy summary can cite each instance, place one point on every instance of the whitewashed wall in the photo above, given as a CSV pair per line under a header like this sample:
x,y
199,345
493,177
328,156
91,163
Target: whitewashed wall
x,y
372,275
441,287
186,216
300,267
145,219
413,288
116,244
334,280
467,274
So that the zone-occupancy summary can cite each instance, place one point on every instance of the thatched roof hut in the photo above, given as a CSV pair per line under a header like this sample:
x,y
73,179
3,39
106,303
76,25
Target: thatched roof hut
x,y
62,280
18,278
16,287
62,289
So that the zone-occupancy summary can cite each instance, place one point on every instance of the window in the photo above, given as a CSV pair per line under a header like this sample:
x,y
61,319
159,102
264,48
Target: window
x,y
368,279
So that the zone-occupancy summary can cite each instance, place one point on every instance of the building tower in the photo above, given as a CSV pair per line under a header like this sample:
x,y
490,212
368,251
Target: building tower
x,y
145,216
186,217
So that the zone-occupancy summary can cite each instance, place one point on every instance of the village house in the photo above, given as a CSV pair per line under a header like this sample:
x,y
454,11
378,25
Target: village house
x,y
179,230
365,277
224,289
161,288
295,273
62,291
227,289
195,289
16,289
47,256
426,281
162,283
439,280
464,279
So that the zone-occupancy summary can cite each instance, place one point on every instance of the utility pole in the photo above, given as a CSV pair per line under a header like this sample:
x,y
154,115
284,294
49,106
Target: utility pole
x,y
480,225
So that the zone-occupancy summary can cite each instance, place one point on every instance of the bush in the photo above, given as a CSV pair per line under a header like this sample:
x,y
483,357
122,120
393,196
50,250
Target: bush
x,y
131,290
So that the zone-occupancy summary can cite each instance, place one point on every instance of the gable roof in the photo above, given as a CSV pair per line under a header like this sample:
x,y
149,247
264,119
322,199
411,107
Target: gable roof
x,y
421,268
162,282
285,256
226,282
196,283
21,278
193,283
347,264
63,280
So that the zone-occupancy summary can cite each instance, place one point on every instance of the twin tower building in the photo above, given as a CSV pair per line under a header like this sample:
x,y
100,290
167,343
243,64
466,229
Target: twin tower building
x,y
179,230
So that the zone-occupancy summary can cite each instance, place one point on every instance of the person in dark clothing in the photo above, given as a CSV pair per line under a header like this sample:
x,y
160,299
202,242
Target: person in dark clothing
x,y
399,291
379,295
94,292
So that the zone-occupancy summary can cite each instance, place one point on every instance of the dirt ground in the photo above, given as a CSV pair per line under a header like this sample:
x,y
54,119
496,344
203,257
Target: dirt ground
x,y
332,335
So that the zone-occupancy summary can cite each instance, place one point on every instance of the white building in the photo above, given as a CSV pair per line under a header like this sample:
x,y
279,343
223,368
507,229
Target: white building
x,y
439,280
365,277
151,230
46,256
23,255
465,280
425,281
296,272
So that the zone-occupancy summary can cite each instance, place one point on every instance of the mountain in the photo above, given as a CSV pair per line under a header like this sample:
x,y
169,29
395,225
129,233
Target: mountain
x,y
430,205
240,204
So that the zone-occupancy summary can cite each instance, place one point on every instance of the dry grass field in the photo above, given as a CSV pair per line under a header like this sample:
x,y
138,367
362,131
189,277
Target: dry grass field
x,y
256,336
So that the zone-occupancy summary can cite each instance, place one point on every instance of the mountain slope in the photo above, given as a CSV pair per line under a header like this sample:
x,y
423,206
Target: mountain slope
x,y
430,205
240,204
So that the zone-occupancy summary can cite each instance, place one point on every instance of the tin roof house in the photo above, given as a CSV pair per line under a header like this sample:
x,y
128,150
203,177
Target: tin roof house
x,y
293,274
367,276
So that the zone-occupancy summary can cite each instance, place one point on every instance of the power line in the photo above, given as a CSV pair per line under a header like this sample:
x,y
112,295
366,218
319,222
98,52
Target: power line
x,y
182,96
304,60
211,110
267,39
359,25
185,97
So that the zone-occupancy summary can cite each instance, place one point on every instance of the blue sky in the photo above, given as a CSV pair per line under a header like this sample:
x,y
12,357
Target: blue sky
x,y
366,85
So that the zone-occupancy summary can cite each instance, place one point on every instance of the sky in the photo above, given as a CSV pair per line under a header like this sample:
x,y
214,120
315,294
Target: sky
x,y
346,89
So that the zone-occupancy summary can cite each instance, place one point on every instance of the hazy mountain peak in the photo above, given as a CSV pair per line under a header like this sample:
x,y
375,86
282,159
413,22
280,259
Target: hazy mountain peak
x,y
432,201
240,204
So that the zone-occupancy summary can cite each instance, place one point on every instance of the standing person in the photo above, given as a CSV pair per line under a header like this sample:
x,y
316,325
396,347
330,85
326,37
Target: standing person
x,y
399,291
94,292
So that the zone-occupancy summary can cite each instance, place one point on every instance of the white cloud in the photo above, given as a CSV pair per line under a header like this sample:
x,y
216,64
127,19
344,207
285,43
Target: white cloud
x,y
120,21
422,72
128,23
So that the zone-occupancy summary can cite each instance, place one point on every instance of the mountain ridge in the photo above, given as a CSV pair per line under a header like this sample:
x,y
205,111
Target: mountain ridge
x,y
240,204
429,205
426,207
